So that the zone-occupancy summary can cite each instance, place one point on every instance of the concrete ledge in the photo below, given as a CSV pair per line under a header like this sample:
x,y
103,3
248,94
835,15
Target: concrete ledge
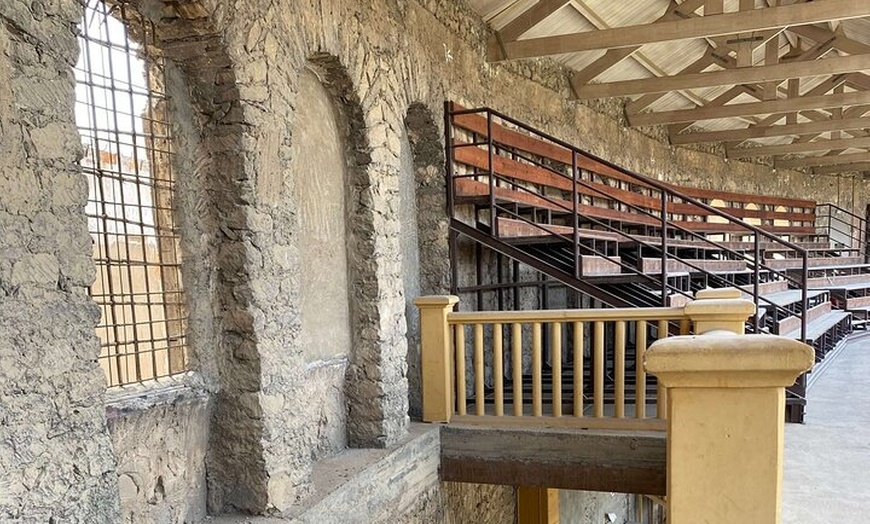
x,y
134,399
362,486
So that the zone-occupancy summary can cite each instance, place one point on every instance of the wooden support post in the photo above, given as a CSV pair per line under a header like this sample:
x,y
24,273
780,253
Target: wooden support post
x,y
537,505
719,309
726,418
436,356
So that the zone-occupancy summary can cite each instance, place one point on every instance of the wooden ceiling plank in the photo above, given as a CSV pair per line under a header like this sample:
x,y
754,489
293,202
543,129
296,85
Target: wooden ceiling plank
x,y
720,100
714,7
811,161
615,56
798,148
646,100
716,25
770,131
530,18
747,75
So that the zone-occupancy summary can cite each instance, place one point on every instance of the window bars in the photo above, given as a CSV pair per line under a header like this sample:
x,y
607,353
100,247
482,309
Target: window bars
x,y
123,119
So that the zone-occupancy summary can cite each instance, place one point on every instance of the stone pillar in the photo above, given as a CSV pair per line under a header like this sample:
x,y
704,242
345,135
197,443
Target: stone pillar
x,y
435,356
726,412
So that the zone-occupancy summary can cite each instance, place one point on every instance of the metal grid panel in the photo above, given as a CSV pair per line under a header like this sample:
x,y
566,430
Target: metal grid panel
x,y
122,116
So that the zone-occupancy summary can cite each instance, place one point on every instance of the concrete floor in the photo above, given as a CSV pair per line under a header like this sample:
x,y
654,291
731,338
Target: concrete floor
x,y
827,459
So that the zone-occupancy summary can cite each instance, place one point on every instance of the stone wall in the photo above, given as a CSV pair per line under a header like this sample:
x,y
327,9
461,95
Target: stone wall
x,y
56,461
235,73
160,441
592,507
479,503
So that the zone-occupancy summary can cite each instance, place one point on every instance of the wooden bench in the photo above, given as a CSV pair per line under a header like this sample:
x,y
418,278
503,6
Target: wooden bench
x,y
824,332
789,297
468,190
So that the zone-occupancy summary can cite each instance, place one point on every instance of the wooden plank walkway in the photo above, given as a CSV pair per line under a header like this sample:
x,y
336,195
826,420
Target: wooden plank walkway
x,y
827,459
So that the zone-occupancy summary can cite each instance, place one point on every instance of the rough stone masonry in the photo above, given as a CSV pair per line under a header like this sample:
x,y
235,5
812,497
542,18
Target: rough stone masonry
x,y
245,429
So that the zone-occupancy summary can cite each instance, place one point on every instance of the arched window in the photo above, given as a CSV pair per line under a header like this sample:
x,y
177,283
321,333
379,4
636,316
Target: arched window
x,y
123,119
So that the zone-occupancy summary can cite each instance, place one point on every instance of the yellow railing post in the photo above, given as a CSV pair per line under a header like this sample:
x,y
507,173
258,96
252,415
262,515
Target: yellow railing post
x,y
726,412
719,309
537,505
435,356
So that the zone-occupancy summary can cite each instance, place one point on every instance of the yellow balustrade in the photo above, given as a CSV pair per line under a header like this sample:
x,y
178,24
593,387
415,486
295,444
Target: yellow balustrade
x,y
465,377
640,372
721,394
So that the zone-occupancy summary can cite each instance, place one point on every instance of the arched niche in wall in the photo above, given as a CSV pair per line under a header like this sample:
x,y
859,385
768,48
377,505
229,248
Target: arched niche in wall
x,y
340,309
319,167
320,171
422,218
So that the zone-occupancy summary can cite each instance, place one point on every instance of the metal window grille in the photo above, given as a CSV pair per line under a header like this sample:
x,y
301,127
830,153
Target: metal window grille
x,y
123,119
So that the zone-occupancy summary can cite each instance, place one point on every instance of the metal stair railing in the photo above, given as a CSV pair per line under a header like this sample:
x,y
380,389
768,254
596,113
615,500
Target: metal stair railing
x,y
854,229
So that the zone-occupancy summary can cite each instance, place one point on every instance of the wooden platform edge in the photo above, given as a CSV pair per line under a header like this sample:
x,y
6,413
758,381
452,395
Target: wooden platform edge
x,y
565,458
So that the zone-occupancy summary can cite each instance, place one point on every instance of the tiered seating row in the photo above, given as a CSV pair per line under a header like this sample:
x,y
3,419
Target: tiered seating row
x,y
528,166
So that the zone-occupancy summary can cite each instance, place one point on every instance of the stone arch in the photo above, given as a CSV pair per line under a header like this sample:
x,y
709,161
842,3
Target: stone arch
x,y
423,223
367,402
210,128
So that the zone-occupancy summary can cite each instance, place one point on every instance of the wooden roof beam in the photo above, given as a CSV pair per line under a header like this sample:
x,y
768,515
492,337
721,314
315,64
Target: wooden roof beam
x,y
758,92
810,161
799,148
745,75
645,101
841,42
836,114
638,56
750,108
530,18
769,120
735,135
849,168
821,89
707,26
720,100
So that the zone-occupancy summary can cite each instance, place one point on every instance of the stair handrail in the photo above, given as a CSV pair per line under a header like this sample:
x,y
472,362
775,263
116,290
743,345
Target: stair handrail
x,y
664,188
861,238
